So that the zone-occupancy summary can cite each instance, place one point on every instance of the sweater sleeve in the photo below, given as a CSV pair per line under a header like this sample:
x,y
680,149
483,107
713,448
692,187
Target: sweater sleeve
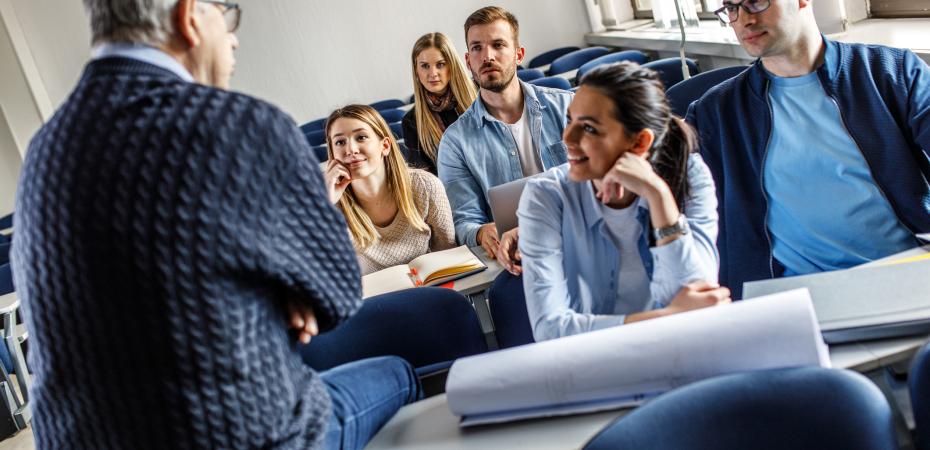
x,y
305,244
438,212
918,75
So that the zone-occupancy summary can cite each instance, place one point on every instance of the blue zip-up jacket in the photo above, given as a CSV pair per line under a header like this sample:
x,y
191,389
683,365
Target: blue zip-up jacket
x,y
883,95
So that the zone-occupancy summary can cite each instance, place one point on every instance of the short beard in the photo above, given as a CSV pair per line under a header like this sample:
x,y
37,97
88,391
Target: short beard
x,y
498,86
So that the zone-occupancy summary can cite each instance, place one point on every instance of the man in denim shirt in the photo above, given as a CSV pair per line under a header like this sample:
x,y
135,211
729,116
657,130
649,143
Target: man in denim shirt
x,y
818,149
513,130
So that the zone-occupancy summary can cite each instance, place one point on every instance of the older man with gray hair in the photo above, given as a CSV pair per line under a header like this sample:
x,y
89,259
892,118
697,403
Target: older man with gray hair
x,y
168,233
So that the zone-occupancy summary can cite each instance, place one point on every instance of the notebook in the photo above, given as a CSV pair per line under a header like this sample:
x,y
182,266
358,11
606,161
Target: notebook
x,y
626,365
430,269
865,303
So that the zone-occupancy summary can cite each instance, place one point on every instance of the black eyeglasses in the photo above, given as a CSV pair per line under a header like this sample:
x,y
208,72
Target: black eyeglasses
x,y
232,13
729,12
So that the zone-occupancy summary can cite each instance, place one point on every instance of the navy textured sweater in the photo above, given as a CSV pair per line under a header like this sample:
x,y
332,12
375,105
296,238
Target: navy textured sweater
x,y
160,228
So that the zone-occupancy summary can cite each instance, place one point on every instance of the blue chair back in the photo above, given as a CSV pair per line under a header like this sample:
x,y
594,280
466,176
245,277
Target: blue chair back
x,y
390,103
422,325
398,129
681,95
630,55
5,252
547,57
575,59
919,386
6,221
530,74
508,311
316,125
553,82
670,70
321,152
393,115
800,408
316,138
6,279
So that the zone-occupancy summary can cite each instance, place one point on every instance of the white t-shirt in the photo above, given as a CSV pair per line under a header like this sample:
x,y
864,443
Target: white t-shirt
x,y
632,281
523,137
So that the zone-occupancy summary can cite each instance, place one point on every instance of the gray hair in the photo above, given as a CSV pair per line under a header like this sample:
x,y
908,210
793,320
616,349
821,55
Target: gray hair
x,y
139,21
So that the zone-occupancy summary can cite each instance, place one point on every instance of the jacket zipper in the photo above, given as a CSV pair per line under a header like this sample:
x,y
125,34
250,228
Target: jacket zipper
x,y
765,196
867,164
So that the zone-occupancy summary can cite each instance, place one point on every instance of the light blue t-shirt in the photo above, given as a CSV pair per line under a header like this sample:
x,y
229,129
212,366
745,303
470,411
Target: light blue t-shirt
x,y
825,210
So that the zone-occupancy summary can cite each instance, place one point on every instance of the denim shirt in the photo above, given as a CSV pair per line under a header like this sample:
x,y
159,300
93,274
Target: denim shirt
x,y
571,263
477,152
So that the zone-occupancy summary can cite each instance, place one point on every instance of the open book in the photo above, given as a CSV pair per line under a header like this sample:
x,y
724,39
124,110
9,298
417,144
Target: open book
x,y
430,269
628,364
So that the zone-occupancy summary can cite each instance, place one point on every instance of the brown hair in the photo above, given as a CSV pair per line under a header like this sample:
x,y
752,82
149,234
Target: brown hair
x,y
463,90
362,229
491,14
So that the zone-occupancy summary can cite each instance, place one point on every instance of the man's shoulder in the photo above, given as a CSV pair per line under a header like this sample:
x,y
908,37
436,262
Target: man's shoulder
x,y
723,95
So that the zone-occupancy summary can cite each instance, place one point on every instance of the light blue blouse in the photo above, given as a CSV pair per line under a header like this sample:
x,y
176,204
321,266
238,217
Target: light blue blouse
x,y
571,263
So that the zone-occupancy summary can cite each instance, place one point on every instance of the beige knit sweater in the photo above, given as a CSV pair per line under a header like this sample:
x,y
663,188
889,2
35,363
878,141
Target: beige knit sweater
x,y
400,242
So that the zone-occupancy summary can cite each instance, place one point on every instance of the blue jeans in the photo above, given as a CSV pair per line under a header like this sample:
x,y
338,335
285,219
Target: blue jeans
x,y
365,395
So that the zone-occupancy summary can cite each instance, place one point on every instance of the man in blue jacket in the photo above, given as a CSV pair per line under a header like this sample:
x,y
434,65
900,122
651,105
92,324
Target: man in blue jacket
x,y
818,149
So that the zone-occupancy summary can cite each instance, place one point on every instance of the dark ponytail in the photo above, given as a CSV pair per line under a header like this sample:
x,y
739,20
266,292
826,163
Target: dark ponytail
x,y
640,103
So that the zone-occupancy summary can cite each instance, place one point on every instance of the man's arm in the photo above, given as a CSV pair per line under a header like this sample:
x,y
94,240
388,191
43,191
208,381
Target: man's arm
x,y
465,194
918,75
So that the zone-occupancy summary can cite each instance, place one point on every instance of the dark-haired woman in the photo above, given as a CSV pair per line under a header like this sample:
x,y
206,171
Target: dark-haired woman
x,y
626,230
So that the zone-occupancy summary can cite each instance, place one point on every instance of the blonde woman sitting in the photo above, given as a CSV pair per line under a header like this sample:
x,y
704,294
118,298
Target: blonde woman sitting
x,y
394,213
442,91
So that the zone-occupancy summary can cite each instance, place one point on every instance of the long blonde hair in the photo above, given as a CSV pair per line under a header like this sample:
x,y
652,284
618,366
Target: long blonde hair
x,y
429,132
397,179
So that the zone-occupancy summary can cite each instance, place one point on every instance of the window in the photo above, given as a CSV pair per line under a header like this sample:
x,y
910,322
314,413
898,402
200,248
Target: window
x,y
642,9
900,8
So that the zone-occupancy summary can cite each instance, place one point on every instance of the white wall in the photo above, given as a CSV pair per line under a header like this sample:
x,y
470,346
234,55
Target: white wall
x,y
9,166
310,57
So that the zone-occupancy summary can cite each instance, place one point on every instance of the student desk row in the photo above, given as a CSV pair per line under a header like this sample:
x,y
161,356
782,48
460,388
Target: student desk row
x,y
429,424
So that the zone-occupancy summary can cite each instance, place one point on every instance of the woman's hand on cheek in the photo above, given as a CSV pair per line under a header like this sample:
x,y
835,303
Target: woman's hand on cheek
x,y
632,172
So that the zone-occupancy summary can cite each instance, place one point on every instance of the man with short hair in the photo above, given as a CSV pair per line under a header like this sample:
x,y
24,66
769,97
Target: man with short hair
x,y
511,131
819,150
168,233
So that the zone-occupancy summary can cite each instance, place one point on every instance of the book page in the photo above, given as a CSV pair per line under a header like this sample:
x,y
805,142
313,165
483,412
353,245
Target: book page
x,y
445,263
387,280
638,359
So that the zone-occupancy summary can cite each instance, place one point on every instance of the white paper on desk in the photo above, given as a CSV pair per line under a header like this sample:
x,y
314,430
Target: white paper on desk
x,y
626,364
924,237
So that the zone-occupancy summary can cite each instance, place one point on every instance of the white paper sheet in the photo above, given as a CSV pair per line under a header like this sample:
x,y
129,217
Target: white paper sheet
x,y
924,237
625,363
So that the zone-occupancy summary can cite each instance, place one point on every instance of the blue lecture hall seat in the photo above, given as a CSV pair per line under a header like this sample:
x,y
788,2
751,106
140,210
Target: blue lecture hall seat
x,y
398,129
5,252
575,59
548,56
508,311
630,55
670,70
553,82
682,94
919,388
390,103
799,409
530,74
315,125
392,115
426,326
321,152
6,221
315,138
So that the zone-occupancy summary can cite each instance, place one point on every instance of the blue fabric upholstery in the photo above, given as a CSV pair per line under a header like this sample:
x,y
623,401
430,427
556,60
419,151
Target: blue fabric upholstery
x,y
5,252
398,129
630,55
321,152
6,221
547,57
316,125
919,386
553,82
575,59
6,279
670,70
800,408
390,103
315,138
392,115
422,325
682,94
530,74
508,311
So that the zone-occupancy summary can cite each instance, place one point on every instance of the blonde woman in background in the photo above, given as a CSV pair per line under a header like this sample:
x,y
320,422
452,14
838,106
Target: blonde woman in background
x,y
394,213
442,91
